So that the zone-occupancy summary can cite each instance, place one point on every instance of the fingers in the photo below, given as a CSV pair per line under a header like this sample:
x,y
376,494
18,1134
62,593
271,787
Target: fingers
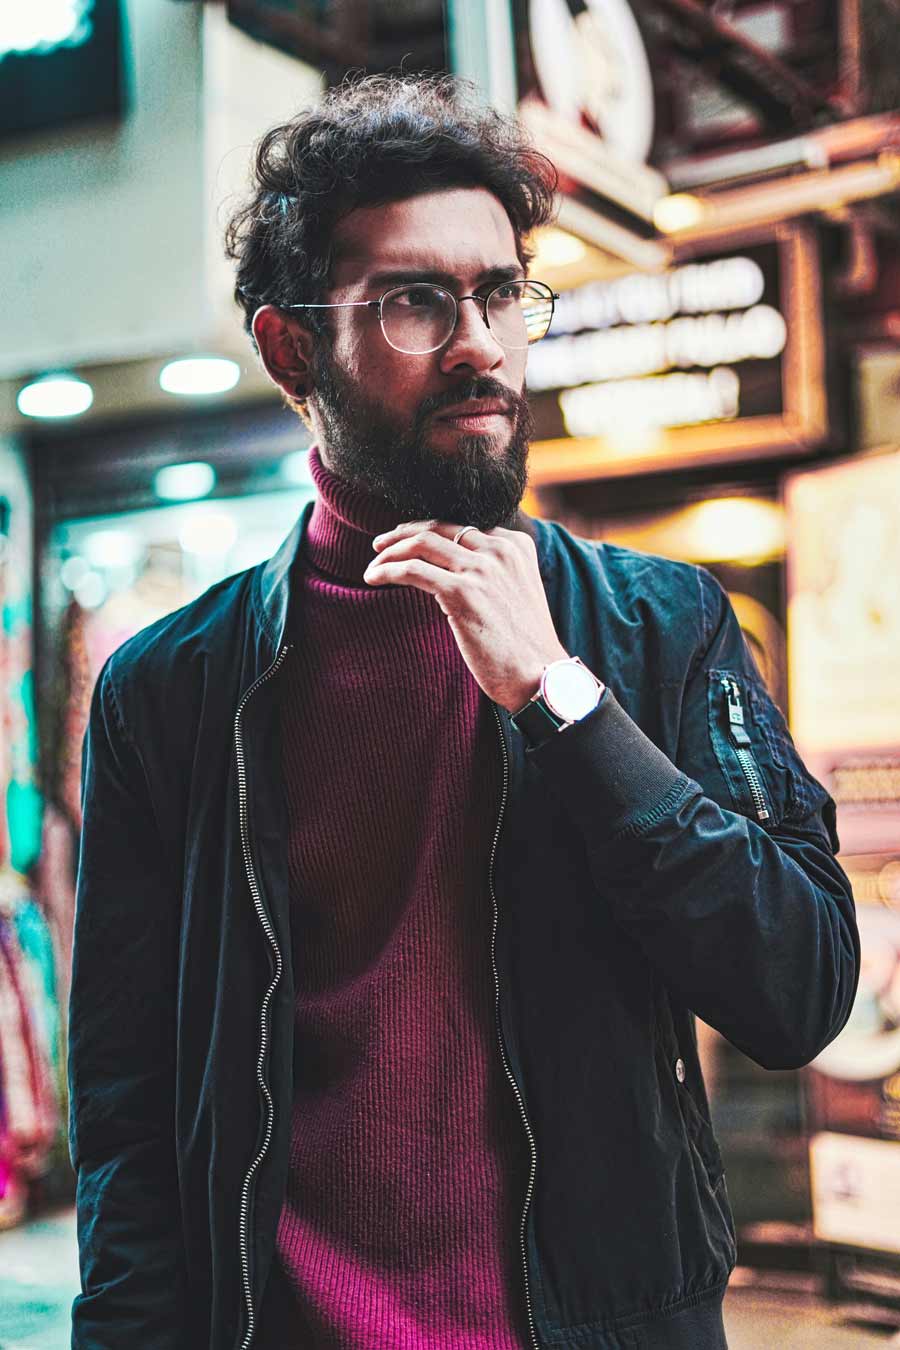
x,y
440,528
433,546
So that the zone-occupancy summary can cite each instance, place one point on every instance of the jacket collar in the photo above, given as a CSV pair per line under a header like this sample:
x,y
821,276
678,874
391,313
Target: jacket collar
x,y
272,589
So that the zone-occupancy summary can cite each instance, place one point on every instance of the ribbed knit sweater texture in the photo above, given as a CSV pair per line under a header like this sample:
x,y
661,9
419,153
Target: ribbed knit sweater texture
x,y
409,1166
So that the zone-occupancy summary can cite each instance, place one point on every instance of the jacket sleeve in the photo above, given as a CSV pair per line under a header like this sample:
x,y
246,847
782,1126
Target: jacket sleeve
x,y
721,866
121,1058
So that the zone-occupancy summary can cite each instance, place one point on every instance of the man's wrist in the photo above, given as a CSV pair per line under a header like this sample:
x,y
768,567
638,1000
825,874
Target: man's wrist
x,y
567,692
529,685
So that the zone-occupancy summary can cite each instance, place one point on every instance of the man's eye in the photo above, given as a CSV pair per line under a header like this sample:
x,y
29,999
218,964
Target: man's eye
x,y
510,292
421,297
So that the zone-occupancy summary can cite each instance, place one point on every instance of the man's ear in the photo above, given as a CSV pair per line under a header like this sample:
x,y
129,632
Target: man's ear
x,y
285,349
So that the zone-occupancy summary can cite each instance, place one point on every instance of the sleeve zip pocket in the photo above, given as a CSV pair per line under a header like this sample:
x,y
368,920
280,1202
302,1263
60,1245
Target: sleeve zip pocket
x,y
760,773
741,749
741,745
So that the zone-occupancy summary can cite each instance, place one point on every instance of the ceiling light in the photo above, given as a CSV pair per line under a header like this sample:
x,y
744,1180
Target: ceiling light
x,y
184,482
55,396
199,375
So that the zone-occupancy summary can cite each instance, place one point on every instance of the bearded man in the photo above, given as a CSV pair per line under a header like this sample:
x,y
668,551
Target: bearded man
x,y
410,855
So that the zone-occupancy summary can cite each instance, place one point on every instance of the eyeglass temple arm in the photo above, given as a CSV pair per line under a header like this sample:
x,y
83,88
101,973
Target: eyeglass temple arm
x,y
341,304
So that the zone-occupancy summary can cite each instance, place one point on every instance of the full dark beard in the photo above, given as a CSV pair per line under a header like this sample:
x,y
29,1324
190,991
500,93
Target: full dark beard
x,y
478,484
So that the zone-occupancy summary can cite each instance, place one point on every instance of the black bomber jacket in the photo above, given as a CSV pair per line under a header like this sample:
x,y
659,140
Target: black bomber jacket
x,y
667,855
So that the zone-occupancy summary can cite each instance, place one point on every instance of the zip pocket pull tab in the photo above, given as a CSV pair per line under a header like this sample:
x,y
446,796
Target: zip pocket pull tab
x,y
742,748
735,713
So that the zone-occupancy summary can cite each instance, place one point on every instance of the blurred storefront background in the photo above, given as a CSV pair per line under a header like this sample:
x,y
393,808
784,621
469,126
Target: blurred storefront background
x,y
721,385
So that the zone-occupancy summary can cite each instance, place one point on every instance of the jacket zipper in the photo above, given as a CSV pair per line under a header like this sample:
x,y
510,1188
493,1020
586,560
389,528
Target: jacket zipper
x,y
741,743
506,1065
264,1009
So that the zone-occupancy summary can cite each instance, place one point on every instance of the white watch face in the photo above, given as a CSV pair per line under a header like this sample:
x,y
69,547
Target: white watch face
x,y
571,691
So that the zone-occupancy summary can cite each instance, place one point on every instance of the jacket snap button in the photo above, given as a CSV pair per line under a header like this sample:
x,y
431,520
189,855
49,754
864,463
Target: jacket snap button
x,y
679,1070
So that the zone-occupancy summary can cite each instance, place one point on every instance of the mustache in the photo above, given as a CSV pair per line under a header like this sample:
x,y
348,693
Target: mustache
x,y
479,386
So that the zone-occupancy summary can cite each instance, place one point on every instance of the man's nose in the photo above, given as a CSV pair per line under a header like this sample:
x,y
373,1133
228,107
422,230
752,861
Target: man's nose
x,y
472,343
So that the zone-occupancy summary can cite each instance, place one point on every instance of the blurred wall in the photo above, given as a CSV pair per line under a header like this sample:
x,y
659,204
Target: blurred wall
x,y
247,87
112,233
101,227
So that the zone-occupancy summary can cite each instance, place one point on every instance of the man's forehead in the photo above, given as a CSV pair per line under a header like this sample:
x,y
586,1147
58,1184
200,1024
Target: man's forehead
x,y
456,260
461,233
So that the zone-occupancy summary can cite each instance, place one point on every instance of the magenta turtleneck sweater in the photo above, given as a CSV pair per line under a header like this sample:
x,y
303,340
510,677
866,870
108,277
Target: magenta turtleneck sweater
x,y
408,1169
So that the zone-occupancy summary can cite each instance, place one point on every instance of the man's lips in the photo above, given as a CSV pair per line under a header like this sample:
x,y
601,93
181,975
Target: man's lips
x,y
482,408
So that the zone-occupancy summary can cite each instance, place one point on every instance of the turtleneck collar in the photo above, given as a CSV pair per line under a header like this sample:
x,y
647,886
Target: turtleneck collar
x,y
344,521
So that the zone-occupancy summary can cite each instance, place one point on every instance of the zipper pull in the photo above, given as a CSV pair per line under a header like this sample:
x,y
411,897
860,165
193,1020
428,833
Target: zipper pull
x,y
735,712
742,746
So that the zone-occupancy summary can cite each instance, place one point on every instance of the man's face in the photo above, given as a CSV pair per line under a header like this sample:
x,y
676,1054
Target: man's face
x,y
383,417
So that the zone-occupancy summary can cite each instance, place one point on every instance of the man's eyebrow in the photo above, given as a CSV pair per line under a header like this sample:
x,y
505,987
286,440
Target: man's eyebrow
x,y
398,275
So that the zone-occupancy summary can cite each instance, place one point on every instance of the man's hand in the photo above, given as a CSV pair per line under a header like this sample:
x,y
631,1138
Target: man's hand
x,y
490,589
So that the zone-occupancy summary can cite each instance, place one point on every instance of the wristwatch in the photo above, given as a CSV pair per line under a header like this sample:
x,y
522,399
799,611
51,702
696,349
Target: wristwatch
x,y
568,692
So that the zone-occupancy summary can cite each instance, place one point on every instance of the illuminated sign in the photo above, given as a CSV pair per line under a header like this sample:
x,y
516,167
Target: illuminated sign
x,y
702,317
661,401
703,340
697,288
720,357
43,25
61,60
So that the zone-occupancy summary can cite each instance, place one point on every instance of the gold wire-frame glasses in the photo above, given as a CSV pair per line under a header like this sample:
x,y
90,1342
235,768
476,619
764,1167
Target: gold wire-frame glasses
x,y
421,316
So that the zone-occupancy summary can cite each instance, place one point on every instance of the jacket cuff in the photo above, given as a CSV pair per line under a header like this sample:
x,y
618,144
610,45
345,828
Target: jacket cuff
x,y
608,774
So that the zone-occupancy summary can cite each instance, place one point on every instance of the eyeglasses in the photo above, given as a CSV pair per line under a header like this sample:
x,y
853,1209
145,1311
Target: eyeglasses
x,y
422,317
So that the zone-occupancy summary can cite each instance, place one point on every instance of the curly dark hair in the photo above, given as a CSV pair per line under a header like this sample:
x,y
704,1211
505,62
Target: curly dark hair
x,y
373,139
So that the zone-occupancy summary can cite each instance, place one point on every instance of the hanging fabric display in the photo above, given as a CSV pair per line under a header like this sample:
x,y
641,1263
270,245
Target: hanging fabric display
x,y
21,801
29,1046
31,1052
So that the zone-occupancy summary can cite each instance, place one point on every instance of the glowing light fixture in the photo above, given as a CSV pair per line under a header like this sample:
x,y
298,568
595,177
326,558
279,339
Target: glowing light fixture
x,y
112,548
197,375
733,529
91,591
206,533
40,26
741,530
680,211
55,396
73,572
556,248
294,469
184,482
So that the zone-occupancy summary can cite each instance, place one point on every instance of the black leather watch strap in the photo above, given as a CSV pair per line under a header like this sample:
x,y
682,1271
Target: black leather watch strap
x,y
536,722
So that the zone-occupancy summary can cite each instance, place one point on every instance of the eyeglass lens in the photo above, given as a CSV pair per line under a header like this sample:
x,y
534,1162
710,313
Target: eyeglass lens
x,y
421,318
